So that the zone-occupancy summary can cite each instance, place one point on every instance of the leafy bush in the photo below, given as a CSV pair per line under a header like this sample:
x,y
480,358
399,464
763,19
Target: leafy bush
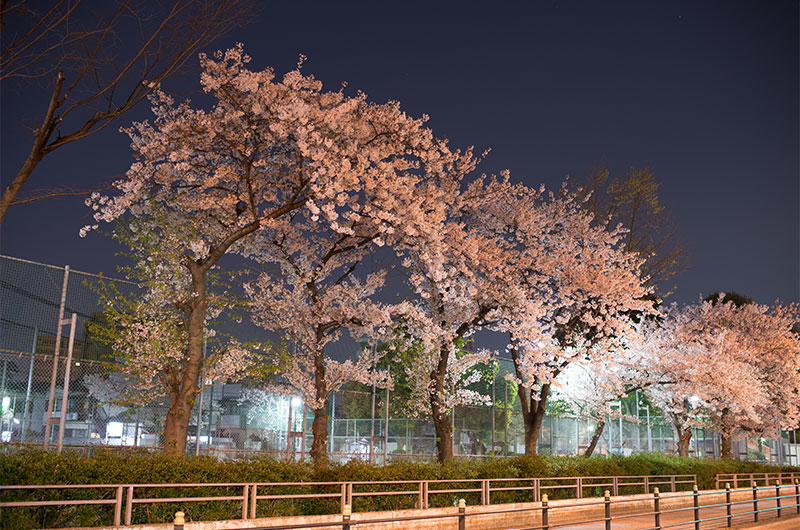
x,y
29,467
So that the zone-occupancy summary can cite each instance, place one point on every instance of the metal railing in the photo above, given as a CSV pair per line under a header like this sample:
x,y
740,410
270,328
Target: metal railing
x,y
545,511
125,497
755,479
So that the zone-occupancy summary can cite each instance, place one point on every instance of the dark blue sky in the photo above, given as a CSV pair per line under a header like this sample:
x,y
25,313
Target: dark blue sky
x,y
705,93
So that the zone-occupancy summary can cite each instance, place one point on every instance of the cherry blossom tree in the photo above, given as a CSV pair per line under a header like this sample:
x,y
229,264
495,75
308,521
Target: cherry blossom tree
x,y
460,273
736,366
590,387
312,299
268,148
583,290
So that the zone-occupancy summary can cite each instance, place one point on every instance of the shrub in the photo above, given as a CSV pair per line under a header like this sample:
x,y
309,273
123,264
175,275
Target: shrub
x,y
107,466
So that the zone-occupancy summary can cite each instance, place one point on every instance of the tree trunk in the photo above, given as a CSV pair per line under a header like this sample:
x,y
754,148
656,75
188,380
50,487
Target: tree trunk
x,y
444,433
533,411
684,437
319,430
186,387
598,432
441,419
726,451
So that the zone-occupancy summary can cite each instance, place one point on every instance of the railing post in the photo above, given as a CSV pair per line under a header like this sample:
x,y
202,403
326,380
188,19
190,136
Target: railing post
x,y
545,523
462,518
349,496
129,506
615,487
245,495
736,481
657,508
728,503
488,498
797,494
755,504
579,488
118,507
253,499
646,485
425,488
536,490
672,483
778,498
607,506
346,517
420,497
696,499
179,521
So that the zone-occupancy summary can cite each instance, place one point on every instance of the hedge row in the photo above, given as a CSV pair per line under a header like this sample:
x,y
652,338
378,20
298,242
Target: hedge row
x,y
110,467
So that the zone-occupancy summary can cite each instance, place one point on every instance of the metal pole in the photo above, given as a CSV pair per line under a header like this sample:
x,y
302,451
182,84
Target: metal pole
x,y
49,420
493,410
638,424
505,422
288,432
303,441
26,415
65,392
333,421
372,427
199,417
649,432
386,430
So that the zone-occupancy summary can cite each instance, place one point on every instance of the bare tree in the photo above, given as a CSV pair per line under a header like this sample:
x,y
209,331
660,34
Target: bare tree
x,y
632,200
102,61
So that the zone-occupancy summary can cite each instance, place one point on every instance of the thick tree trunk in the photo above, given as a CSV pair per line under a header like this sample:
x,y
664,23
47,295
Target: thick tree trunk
x,y
186,387
726,451
444,433
533,417
441,419
598,432
319,429
684,437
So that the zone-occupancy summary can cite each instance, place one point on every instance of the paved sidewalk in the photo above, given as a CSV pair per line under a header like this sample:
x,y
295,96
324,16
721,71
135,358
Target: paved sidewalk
x,y
684,518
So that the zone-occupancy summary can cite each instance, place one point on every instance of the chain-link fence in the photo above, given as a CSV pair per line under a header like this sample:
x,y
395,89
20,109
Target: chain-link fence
x,y
37,304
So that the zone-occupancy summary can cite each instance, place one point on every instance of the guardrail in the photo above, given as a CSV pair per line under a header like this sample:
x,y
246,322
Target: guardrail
x,y
124,495
754,479
545,511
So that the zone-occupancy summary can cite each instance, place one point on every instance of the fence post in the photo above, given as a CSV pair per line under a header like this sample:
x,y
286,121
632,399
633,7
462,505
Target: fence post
x,y
545,523
462,518
179,521
118,507
672,483
245,494
797,494
657,508
696,500
615,487
253,494
579,488
728,503
346,517
778,498
607,503
755,503
646,485
536,490
129,506
420,502
425,488
488,498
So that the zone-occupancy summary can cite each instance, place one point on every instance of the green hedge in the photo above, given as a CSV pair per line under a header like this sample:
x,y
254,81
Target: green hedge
x,y
114,467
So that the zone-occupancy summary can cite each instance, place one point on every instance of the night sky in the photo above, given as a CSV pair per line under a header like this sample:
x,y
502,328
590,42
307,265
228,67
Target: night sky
x,y
704,93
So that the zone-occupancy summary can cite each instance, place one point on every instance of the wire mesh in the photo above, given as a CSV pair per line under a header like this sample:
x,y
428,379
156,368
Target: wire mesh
x,y
234,420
